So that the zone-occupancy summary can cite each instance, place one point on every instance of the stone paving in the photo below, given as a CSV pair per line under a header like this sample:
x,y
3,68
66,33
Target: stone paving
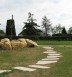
x,y
39,66
24,68
45,62
3,71
49,52
51,58
54,56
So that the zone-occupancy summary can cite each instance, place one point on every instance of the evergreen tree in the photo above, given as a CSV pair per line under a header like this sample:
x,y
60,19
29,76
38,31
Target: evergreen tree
x,y
2,33
64,31
30,27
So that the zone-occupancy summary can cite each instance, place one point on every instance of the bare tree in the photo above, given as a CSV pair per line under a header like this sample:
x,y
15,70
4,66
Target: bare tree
x,y
70,30
46,25
57,29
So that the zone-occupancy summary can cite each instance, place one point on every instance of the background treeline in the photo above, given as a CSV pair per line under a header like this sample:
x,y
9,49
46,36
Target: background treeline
x,y
67,37
45,31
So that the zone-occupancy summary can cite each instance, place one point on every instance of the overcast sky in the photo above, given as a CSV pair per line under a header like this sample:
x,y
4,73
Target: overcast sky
x,y
58,11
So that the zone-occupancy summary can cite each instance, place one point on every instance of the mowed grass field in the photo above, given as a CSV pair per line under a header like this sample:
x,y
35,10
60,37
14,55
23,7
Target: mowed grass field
x,y
29,56
20,57
45,42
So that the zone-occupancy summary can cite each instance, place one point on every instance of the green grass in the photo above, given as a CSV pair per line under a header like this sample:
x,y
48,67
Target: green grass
x,y
45,42
20,57
24,57
64,67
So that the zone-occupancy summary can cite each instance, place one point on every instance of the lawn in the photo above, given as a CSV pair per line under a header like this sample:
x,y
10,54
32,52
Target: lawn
x,y
45,42
28,56
20,57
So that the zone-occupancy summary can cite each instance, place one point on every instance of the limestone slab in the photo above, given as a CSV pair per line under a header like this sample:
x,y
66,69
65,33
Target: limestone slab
x,y
51,59
24,68
50,52
48,47
54,54
46,62
38,66
2,71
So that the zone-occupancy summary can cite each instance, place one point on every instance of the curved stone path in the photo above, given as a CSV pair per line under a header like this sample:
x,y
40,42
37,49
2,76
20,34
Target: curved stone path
x,y
51,58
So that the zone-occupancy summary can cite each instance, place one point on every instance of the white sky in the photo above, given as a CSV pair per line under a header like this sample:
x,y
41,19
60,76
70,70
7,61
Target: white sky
x,y
59,11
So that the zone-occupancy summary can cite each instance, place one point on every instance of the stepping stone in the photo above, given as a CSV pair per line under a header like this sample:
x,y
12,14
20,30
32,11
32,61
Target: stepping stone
x,y
38,66
49,52
48,47
54,54
2,71
51,59
46,62
24,68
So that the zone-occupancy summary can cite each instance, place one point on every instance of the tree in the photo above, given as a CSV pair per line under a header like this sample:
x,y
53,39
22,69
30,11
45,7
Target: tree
x,y
46,25
30,27
57,29
2,32
64,31
70,30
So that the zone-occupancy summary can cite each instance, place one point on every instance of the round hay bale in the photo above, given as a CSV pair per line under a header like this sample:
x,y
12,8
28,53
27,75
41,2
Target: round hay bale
x,y
6,44
31,43
20,43
15,44
23,42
